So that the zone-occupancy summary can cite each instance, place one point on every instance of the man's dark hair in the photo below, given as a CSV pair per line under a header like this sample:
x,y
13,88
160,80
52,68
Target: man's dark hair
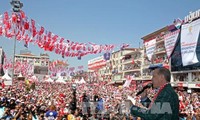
x,y
165,72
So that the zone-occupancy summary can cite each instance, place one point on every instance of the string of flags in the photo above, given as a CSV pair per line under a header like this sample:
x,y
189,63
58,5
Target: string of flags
x,y
20,27
24,67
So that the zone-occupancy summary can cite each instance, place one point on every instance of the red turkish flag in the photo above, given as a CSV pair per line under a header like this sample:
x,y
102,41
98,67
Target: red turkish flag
x,y
49,35
181,105
61,40
33,23
41,30
26,25
55,37
6,16
133,62
3,84
67,54
22,14
14,18
1,31
34,32
46,46
74,46
61,46
7,25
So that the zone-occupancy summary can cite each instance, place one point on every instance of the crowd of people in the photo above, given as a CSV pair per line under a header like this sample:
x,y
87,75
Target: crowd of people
x,y
189,105
94,101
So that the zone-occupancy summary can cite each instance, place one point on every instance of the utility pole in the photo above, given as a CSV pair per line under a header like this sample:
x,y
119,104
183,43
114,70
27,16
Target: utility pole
x,y
17,5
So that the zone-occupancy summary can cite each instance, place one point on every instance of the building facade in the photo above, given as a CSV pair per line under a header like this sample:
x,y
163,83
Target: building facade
x,y
96,68
37,65
187,76
135,62
155,55
117,66
132,62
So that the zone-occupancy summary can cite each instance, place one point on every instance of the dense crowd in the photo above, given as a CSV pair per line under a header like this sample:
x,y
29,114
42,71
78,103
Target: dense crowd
x,y
94,101
189,105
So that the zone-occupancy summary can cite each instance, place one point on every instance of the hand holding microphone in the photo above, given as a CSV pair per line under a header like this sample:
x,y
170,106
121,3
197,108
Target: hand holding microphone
x,y
144,88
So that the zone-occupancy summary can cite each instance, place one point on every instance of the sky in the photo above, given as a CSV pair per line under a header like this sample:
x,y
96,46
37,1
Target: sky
x,y
98,21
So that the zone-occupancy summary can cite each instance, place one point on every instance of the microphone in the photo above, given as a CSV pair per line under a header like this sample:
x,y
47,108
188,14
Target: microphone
x,y
144,88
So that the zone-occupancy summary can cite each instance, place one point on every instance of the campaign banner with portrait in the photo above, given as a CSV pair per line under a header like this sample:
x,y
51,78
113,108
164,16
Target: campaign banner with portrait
x,y
150,47
177,59
170,41
189,39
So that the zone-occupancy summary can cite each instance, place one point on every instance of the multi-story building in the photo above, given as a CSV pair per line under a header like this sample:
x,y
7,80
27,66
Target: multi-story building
x,y
187,76
136,62
182,77
38,65
117,69
132,62
108,71
2,54
158,53
96,68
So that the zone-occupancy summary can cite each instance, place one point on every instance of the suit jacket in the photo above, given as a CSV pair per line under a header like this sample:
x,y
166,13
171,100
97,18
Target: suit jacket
x,y
165,107
146,102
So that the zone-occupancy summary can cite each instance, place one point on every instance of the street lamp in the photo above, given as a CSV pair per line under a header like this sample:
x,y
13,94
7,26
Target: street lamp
x,y
17,5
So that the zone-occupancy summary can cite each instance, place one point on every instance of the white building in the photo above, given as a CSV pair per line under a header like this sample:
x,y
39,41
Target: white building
x,y
38,65
96,68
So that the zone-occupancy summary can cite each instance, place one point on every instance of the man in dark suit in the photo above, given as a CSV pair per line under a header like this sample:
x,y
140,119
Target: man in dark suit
x,y
165,104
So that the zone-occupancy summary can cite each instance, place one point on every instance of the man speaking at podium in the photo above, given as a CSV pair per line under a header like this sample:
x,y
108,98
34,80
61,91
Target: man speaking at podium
x,y
165,104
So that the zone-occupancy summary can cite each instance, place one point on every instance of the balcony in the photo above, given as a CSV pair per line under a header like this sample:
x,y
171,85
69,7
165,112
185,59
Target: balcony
x,y
146,77
160,60
128,61
132,67
137,78
132,70
160,50
160,41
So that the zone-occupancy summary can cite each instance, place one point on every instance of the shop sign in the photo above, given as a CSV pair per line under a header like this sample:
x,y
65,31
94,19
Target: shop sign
x,y
192,16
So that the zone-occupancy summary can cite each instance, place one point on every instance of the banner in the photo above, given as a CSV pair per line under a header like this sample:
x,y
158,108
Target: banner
x,y
189,39
170,41
150,48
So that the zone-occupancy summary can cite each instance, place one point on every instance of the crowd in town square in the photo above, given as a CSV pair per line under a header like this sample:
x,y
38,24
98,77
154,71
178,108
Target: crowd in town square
x,y
26,100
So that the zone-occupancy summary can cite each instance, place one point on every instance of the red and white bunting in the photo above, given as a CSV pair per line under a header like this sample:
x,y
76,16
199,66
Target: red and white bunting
x,y
28,31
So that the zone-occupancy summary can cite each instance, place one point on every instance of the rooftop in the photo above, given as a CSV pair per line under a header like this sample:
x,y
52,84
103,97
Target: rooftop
x,y
152,35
